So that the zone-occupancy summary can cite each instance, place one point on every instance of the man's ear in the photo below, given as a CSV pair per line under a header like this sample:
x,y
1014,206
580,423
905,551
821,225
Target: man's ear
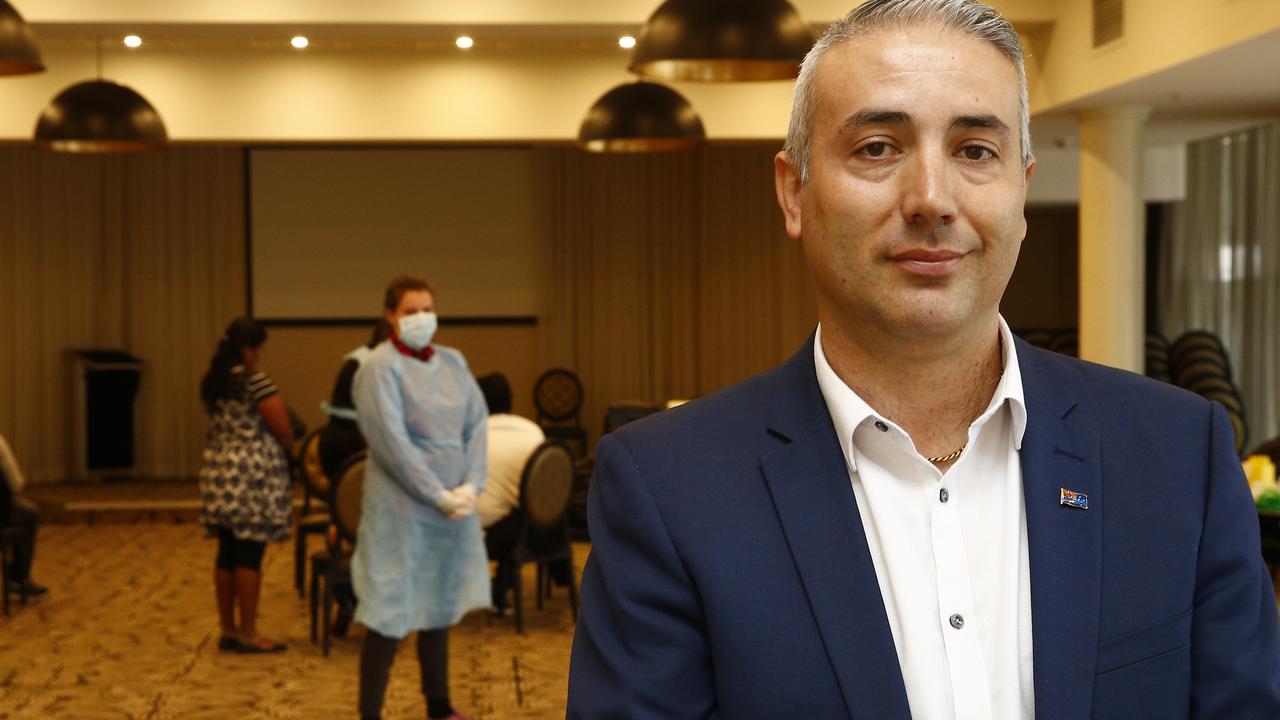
x,y
1026,188
786,182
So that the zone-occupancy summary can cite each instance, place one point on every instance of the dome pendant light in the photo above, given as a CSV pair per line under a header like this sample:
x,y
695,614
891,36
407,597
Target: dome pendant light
x,y
18,52
722,40
99,116
641,117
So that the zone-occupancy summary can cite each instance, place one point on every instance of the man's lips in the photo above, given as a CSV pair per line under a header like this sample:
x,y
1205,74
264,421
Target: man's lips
x,y
928,262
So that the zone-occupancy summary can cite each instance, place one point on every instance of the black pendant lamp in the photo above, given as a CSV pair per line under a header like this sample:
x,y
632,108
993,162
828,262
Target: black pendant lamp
x,y
99,116
722,40
18,52
641,117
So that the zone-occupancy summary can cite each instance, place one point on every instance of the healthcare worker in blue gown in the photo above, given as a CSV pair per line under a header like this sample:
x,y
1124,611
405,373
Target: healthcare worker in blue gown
x,y
419,561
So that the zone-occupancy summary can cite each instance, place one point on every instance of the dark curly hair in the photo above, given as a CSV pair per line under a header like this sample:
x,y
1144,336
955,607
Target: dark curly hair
x,y
243,332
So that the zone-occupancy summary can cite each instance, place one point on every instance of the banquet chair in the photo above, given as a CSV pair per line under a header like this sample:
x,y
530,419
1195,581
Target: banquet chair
x,y
545,487
315,491
331,567
557,396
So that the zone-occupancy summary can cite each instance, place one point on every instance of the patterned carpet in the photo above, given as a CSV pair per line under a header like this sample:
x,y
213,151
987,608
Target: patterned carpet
x,y
130,631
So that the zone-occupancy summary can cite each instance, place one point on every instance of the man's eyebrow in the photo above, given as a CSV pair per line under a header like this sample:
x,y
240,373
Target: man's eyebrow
x,y
988,122
875,117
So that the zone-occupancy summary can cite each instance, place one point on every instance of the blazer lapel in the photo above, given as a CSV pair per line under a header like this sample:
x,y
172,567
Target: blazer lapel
x,y
1064,543
809,484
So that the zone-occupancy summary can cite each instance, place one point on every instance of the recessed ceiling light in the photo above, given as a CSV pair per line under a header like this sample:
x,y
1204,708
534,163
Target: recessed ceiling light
x,y
626,42
299,42
464,42
132,41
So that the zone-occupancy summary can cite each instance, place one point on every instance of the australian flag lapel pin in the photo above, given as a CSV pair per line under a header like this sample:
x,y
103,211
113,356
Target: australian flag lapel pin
x,y
1071,498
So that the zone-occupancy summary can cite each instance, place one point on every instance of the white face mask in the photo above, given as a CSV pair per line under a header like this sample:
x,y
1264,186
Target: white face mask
x,y
416,330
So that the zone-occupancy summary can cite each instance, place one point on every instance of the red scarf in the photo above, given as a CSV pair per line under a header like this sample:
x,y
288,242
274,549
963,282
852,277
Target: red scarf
x,y
424,354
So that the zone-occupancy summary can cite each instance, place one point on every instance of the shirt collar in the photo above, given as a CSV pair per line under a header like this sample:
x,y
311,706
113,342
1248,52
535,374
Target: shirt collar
x,y
849,411
424,354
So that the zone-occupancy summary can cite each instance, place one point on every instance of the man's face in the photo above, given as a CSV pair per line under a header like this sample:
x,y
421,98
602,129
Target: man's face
x,y
912,217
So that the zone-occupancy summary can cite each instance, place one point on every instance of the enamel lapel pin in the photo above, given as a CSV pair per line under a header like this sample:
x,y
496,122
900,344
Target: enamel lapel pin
x,y
1071,498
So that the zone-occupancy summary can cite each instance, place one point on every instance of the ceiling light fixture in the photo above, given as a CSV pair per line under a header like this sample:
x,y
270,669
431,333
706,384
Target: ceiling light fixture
x,y
18,52
641,117
132,41
626,42
99,116
722,40
300,42
464,42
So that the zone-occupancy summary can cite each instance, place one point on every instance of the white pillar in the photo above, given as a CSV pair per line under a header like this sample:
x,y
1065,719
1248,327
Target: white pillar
x,y
1112,236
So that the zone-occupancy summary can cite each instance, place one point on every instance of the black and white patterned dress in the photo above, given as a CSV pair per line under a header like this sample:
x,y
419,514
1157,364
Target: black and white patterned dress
x,y
244,479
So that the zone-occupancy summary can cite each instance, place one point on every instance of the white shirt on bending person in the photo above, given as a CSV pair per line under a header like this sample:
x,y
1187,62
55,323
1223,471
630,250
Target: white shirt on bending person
x,y
512,439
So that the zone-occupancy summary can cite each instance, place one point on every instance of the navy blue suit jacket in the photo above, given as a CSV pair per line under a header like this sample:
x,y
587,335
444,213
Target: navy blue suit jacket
x,y
730,576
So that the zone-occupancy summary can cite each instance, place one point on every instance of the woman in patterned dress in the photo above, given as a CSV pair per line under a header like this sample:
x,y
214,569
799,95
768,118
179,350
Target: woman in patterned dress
x,y
419,562
244,479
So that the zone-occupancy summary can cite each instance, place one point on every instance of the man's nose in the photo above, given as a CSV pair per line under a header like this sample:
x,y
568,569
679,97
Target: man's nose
x,y
928,199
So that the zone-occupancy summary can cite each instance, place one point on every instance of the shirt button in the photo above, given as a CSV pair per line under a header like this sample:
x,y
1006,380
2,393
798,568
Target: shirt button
x,y
957,621
881,426
943,495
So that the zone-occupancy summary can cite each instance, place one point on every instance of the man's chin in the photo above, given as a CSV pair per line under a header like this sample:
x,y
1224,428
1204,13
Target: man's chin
x,y
929,316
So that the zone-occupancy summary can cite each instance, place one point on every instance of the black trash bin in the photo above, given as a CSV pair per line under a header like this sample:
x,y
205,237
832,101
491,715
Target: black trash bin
x,y
104,423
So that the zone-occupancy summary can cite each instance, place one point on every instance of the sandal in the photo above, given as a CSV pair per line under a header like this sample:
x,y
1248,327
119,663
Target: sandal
x,y
227,643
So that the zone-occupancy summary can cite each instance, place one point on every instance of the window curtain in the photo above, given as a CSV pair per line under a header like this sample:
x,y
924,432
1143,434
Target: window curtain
x,y
672,275
1220,262
139,253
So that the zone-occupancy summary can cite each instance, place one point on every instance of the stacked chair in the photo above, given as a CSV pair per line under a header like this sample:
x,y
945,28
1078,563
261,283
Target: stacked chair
x,y
1067,341
1198,362
1038,337
1156,363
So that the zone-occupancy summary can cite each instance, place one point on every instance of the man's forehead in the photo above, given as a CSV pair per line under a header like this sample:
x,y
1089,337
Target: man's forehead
x,y
897,68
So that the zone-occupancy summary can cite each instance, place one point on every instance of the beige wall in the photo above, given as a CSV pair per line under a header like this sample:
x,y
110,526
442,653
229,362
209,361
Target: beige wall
x,y
227,92
1158,34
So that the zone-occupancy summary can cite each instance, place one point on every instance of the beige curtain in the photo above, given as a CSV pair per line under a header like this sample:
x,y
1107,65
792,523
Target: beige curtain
x,y
139,253
1220,263
672,276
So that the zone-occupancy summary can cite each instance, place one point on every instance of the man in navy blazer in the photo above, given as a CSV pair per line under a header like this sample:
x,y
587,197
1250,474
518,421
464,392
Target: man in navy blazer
x,y
919,516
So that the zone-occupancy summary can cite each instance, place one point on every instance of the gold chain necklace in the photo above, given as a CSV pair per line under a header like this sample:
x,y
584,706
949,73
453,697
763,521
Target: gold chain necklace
x,y
948,458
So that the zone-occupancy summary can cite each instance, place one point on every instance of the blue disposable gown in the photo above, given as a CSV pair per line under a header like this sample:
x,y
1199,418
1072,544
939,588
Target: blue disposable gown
x,y
414,568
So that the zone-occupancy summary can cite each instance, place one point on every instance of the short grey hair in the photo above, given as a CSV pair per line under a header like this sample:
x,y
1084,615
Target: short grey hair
x,y
968,17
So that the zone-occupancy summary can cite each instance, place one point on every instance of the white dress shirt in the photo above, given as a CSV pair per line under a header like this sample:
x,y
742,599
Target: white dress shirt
x,y
949,549
512,439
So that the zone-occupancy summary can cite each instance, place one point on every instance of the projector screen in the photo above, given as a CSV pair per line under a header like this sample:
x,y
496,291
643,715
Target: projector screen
x,y
330,227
